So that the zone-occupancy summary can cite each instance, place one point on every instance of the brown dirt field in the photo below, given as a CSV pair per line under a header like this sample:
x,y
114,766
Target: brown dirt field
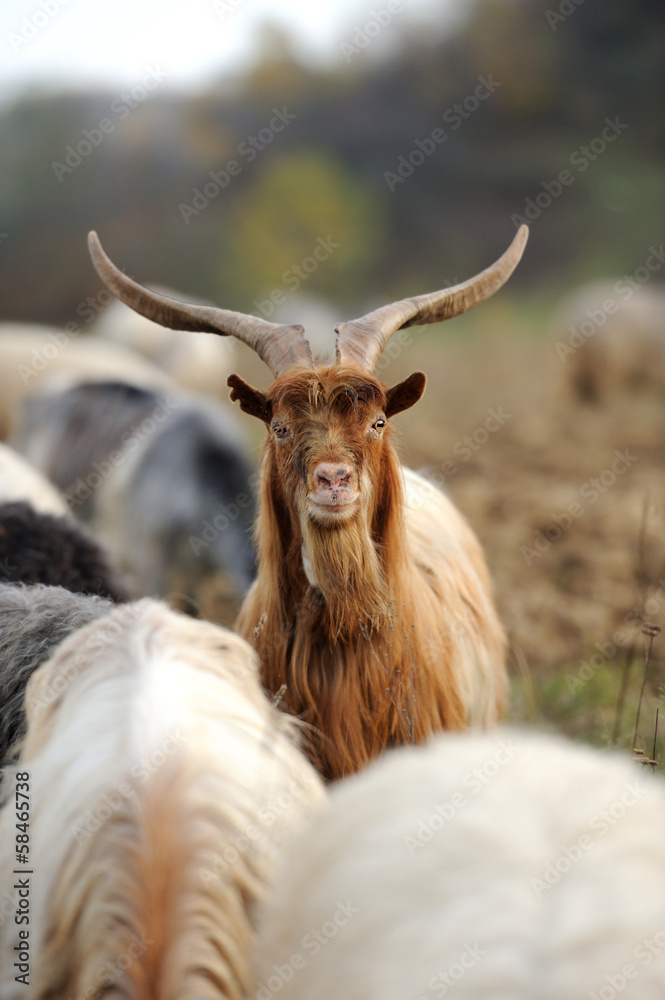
x,y
575,562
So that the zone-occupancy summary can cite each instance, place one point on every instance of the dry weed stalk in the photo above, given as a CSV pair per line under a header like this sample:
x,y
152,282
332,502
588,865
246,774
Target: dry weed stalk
x,y
650,632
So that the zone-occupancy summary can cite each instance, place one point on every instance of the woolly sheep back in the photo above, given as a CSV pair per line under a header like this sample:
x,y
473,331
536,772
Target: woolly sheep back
x,y
33,621
508,865
162,787
41,548
20,481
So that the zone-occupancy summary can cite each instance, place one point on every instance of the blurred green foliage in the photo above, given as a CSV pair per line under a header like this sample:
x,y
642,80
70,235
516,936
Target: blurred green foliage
x,y
557,80
302,204
594,710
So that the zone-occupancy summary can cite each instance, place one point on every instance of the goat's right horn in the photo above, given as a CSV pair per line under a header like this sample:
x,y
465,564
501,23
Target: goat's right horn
x,y
361,341
281,347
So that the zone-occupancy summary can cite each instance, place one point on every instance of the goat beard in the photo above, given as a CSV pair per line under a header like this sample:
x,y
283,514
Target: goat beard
x,y
349,575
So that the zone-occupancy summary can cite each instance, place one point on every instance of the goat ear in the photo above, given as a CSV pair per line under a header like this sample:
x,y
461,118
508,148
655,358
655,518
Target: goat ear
x,y
405,394
251,400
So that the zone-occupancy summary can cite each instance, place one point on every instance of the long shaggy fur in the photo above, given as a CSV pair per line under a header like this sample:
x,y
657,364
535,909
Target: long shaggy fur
x,y
33,621
162,785
503,865
41,548
397,637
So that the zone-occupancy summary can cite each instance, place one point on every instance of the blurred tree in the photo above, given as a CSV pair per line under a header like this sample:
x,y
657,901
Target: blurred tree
x,y
561,70
306,219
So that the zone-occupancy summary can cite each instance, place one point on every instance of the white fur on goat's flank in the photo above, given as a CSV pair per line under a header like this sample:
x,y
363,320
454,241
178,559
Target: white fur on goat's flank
x,y
20,481
162,786
449,555
508,865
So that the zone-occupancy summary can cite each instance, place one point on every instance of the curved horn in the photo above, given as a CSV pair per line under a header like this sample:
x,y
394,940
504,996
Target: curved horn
x,y
281,347
361,341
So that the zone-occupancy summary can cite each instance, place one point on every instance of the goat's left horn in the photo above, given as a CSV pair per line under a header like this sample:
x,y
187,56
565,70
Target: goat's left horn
x,y
281,347
360,342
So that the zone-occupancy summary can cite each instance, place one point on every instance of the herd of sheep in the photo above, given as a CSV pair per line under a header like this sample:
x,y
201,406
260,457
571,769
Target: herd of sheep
x,y
318,803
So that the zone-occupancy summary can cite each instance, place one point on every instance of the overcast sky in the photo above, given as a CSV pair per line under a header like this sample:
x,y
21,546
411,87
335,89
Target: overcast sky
x,y
111,43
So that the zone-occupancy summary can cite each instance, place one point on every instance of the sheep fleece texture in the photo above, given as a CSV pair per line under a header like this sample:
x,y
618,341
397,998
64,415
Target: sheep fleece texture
x,y
162,783
452,870
33,620
40,548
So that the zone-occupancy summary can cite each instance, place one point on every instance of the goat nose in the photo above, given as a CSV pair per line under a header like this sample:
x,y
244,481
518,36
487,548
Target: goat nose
x,y
332,475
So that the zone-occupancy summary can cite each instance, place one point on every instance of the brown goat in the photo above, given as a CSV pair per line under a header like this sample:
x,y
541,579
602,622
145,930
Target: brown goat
x,y
372,613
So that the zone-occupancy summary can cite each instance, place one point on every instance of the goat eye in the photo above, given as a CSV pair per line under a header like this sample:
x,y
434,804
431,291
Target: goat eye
x,y
379,424
281,432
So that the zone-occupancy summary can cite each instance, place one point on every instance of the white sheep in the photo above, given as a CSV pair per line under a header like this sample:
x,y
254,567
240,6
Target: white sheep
x,y
199,364
30,355
163,480
161,785
611,339
503,866
21,481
